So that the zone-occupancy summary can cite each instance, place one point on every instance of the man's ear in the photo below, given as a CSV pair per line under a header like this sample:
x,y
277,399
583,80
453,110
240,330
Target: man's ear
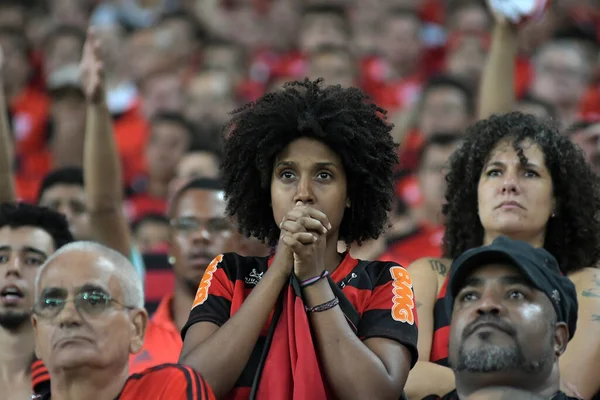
x,y
561,338
139,323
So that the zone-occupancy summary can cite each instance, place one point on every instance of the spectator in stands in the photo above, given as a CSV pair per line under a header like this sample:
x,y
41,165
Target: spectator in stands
x,y
323,25
13,14
161,91
468,16
402,49
88,317
202,160
71,12
63,47
66,131
512,314
299,174
170,137
431,185
200,231
181,33
335,64
513,176
28,236
585,134
466,56
226,56
151,233
26,103
561,77
62,190
447,105
209,97
538,108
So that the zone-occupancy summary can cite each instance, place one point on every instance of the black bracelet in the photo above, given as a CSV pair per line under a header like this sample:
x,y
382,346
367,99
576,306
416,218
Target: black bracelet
x,y
324,307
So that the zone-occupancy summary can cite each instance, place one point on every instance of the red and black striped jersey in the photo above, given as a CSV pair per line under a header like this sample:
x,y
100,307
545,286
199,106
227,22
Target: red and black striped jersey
x,y
163,382
376,298
441,329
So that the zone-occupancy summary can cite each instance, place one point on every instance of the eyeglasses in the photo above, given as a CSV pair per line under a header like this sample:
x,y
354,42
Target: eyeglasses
x,y
91,303
214,226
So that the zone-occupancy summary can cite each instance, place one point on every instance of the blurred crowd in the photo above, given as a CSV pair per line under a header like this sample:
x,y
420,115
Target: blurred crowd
x,y
169,72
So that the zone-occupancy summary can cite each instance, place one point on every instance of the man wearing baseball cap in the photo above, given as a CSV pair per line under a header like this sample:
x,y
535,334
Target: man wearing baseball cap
x,y
512,315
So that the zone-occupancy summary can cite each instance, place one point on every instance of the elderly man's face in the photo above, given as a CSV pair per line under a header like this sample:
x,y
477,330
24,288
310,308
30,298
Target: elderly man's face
x,y
84,331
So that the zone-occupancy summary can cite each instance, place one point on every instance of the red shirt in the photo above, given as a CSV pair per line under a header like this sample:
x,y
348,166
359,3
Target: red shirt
x,y
426,242
162,343
30,115
164,382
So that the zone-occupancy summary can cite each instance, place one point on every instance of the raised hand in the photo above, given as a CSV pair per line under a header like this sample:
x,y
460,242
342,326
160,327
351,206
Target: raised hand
x,y
92,69
517,12
304,230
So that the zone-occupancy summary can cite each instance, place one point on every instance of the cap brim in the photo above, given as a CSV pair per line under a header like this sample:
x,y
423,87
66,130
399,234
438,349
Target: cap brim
x,y
481,259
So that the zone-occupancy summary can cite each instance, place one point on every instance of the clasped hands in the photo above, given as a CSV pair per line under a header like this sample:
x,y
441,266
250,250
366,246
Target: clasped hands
x,y
304,231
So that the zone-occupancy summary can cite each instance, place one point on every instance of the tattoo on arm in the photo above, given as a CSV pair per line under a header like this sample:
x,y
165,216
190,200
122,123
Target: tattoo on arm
x,y
438,267
595,317
419,304
590,293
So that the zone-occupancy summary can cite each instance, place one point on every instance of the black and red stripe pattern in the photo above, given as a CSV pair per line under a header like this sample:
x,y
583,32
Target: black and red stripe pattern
x,y
376,298
163,382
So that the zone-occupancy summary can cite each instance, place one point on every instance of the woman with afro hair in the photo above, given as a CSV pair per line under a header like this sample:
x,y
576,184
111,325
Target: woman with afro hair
x,y
304,168
518,177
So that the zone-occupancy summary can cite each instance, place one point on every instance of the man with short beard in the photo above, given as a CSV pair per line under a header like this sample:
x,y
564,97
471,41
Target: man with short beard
x,y
28,236
512,315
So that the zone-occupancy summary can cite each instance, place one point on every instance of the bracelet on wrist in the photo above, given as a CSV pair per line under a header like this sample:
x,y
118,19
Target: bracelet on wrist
x,y
311,281
323,307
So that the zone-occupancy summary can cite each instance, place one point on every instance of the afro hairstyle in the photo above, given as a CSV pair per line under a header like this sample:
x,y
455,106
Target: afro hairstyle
x,y
572,235
344,119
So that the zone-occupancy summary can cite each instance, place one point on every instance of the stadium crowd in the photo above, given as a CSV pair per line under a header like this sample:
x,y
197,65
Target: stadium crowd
x,y
299,199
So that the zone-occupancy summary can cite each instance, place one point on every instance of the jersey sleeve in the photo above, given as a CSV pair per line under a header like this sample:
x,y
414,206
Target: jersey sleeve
x,y
215,293
390,311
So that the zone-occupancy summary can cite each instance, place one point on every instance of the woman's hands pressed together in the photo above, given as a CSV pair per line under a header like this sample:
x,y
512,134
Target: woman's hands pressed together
x,y
304,230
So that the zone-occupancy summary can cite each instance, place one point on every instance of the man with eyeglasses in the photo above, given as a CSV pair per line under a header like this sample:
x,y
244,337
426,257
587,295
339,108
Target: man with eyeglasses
x,y
28,236
200,231
88,316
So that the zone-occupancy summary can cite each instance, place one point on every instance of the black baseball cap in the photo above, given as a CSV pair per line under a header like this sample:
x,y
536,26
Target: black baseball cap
x,y
538,266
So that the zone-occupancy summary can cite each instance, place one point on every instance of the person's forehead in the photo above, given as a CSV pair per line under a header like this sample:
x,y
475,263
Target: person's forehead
x,y
76,268
505,148
63,190
201,203
26,237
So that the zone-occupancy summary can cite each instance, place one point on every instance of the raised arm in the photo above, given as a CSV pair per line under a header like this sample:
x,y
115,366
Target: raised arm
x,y
497,93
427,378
102,168
7,183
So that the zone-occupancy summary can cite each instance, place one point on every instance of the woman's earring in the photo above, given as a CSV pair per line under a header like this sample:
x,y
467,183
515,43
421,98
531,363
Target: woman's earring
x,y
172,260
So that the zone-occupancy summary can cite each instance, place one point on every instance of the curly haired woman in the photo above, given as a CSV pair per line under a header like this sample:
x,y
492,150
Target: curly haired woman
x,y
303,168
518,177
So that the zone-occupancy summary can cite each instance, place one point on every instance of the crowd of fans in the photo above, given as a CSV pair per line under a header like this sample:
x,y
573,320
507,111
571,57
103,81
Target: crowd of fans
x,y
131,119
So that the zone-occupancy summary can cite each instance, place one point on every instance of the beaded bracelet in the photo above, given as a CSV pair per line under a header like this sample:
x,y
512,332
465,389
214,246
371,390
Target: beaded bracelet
x,y
313,280
324,307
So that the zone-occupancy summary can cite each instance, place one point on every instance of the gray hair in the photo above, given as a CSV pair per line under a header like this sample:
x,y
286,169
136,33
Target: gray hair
x,y
129,278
